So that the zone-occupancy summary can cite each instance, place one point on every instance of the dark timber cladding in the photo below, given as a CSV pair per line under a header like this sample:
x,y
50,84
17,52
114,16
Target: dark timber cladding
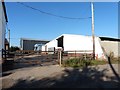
x,y
28,44
60,42
109,39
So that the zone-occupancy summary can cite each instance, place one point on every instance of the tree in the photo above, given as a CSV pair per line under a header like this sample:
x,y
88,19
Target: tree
x,y
14,48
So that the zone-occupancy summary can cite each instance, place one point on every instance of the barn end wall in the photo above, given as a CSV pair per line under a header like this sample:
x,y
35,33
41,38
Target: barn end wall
x,y
50,44
111,46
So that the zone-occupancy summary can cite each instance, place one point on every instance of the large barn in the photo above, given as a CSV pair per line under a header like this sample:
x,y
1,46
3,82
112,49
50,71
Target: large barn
x,y
70,42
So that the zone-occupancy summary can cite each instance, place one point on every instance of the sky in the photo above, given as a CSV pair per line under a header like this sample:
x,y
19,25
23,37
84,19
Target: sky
x,y
24,22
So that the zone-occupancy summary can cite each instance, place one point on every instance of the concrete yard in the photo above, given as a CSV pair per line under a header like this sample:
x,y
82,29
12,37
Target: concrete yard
x,y
54,76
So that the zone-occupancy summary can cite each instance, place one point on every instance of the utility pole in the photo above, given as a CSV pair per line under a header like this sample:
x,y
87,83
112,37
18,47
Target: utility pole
x,y
9,36
93,36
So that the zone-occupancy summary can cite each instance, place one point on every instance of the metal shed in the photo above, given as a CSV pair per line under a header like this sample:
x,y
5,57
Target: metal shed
x,y
28,44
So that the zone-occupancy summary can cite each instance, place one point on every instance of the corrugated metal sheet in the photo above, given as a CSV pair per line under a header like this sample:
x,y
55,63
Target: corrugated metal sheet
x,y
27,44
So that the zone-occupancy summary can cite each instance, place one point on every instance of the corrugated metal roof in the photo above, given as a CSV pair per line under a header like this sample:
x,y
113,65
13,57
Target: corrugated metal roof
x,y
33,39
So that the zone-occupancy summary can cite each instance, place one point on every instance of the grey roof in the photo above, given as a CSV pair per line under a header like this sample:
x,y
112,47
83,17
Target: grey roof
x,y
34,39
110,39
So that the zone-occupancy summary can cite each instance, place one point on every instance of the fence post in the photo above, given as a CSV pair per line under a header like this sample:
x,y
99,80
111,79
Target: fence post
x,y
85,55
59,57
75,53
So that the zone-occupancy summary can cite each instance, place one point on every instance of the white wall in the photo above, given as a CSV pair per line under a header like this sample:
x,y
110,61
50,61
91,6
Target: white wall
x,y
99,49
76,42
111,46
50,44
2,30
79,42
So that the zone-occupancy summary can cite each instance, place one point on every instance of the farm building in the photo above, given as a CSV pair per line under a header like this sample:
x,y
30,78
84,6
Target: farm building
x,y
111,45
3,17
28,44
70,42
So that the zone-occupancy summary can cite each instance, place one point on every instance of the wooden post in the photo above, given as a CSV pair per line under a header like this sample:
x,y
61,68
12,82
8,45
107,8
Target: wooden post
x,y
75,53
5,54
60,57
84,56
93,36
9,36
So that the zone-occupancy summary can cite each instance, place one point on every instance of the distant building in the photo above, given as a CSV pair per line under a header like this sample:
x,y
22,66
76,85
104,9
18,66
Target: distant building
x,y
28,44
3,22
70,42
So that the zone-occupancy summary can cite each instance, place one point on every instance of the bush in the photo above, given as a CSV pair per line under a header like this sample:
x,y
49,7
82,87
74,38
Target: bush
x,y
14,48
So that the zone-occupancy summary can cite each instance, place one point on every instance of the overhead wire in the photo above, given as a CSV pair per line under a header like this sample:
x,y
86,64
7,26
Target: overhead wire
x,y
47,13
51,14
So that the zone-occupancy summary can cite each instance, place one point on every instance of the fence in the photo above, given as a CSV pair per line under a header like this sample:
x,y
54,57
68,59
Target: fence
x,y
86,55
47,57
37,57
7,55
4,55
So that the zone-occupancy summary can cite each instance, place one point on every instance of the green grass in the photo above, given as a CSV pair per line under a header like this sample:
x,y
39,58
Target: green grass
x,y
98,62
76,62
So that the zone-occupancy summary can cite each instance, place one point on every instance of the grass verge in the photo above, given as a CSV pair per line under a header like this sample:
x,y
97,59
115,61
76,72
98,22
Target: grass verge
x,y
76,62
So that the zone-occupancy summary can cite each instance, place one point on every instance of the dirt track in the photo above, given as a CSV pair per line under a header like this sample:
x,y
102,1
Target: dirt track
x,y
55,76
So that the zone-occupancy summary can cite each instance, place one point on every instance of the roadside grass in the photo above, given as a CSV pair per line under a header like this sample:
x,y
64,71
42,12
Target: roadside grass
x,y
76,62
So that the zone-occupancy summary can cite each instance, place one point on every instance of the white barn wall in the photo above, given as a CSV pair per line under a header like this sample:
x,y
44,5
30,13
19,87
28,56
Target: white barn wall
x,y
43,48
76,42
79,42
98,49
2,30
50,44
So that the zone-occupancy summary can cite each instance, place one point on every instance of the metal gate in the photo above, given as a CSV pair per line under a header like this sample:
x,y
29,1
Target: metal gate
x,y
37,57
